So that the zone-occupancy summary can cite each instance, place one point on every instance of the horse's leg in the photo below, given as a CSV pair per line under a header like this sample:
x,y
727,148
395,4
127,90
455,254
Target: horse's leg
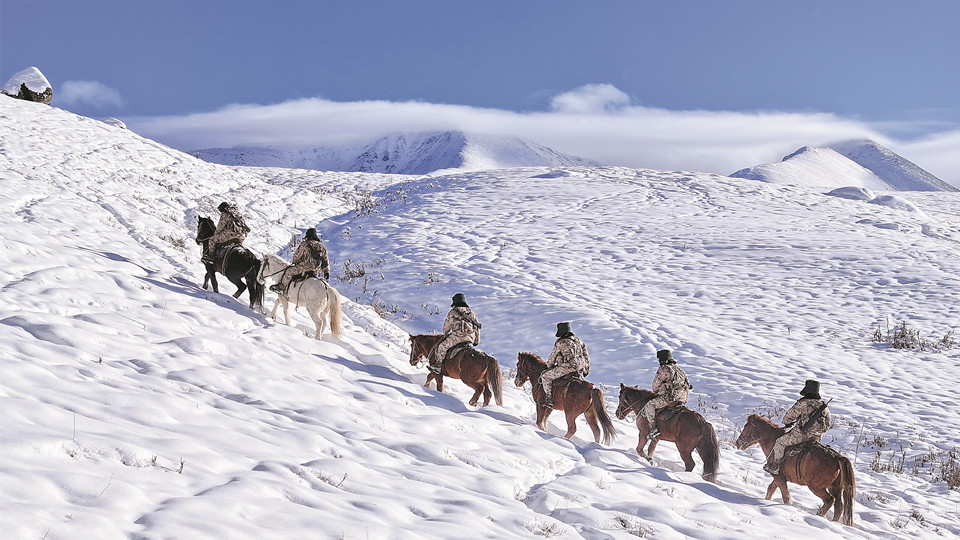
x,y
430,377
571,422
652,447
593,423
644,429
542,414
779,481
439,379
276,307
317,317
827,499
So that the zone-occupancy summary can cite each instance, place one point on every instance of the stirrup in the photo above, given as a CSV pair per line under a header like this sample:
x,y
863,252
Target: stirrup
x,y
545,403
653,434
276,288
436,370
772,468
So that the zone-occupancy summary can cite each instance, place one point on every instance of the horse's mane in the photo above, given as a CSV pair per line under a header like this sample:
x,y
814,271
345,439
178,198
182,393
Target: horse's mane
x,y
765,420
535,358
644,393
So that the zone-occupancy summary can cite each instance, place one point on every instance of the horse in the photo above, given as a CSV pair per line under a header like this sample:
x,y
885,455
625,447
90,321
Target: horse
x,y
572,395
828,474
239,264
686,428
319,297
475,368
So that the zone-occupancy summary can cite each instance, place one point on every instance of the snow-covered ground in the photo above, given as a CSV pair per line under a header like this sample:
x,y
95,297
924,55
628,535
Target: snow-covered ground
x,y
137,405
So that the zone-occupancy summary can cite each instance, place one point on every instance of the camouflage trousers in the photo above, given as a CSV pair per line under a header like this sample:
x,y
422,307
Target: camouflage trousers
x,y
649,410
440,353
551,375
789,439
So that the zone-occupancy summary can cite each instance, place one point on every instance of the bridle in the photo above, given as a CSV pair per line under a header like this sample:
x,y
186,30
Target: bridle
x,y
630,407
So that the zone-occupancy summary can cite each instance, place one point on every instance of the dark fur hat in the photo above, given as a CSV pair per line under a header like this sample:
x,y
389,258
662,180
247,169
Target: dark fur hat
x,y
459,300
311,234
223,206
811,389
563,329
664,356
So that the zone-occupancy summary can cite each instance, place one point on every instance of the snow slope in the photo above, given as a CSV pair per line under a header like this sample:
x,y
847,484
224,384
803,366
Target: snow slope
x,y
402,154
861,163
137,405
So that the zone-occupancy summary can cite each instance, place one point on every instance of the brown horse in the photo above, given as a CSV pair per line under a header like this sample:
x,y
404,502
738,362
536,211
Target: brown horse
x,y
688,429
828,474
571,395
475,368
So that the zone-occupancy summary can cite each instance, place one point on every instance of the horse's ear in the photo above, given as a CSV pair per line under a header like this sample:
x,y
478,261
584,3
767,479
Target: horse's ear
x,y
622,386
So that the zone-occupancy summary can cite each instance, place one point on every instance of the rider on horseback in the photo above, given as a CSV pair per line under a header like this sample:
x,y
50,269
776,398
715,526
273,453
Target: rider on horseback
x,y
460,326
310,258
569,356
671,386
231,229
811,419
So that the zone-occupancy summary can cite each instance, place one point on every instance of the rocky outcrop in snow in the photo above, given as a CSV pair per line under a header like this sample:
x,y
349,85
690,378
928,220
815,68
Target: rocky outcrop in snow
x,y
29,85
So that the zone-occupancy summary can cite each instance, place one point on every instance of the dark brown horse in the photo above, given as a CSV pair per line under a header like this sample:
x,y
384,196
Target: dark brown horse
x,y
475,368
573,396
828,474
688,429
239,263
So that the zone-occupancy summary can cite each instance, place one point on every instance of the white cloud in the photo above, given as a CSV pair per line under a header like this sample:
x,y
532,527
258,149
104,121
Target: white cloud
x,y
594,121
88,93
590,99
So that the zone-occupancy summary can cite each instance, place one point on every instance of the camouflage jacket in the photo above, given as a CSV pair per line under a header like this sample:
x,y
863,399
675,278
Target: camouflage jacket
x,y
462,322
230,227
801,412
570,352
311,256
671,382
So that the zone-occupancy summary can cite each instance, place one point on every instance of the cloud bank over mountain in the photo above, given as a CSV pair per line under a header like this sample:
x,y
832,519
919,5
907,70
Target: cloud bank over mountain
x,y
597,122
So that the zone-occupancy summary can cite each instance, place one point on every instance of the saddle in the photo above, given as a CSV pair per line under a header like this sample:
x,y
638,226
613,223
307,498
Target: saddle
x,y
809,446
220,255
451,352
670,411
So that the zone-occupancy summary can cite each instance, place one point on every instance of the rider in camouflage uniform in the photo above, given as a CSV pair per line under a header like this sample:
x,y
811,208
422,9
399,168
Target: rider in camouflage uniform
x,y
231,229
807,407
460,326
569,355
309,259
671,386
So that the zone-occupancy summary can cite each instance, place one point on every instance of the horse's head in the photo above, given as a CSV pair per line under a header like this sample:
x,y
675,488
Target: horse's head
x,y
525,364
632,399
205,229
415,351
756,429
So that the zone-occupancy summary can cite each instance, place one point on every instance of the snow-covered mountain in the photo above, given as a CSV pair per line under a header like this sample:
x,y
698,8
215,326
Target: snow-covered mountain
x,y
860,163
421,153
137,405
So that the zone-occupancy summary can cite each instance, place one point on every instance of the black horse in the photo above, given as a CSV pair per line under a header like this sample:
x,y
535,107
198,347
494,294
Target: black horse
x,y
238,263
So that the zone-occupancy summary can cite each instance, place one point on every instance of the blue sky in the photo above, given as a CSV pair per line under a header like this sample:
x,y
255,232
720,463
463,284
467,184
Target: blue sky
x,y
886,69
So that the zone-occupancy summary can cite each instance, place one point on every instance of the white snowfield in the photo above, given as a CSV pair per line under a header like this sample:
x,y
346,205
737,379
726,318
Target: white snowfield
x,y
137,405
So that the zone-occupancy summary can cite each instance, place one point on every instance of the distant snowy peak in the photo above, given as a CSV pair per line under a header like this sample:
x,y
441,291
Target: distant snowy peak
x,y
419,153
862,163
902,174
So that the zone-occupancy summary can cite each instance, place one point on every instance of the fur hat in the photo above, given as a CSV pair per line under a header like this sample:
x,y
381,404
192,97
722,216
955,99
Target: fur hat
x,y
811,389
311,234
223,206
563,329
459,300
664,356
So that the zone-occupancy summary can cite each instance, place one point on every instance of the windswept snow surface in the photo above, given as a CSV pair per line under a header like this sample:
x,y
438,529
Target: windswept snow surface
x,y
421,153
137,405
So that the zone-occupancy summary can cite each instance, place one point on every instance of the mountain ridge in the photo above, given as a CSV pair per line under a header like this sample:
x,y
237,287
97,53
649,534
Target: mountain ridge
x,y
862,163
402,153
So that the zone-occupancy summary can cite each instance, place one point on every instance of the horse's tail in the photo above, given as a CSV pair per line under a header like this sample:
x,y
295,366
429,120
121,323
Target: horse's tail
x,y
494,379
709,450
333,297
848,485
254,287
606,424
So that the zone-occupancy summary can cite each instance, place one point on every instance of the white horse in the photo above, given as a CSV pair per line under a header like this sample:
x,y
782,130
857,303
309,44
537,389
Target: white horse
x,y
318,296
